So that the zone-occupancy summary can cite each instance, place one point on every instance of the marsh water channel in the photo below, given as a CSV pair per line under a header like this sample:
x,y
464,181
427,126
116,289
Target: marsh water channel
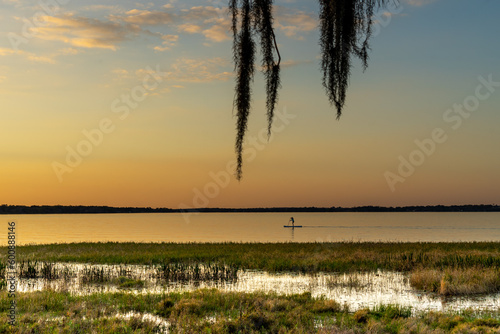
x,y
355,290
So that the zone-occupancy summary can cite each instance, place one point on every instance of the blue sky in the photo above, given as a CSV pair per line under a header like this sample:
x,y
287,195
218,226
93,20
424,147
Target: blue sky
x,y
66,70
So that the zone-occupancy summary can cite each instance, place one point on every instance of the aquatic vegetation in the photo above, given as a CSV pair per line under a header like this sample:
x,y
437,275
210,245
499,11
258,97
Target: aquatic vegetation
x,y
361,316
49,271
450,268
124,282
449,282
390,312
93,274
3,282
351,281
213,311
276,257
181,272
28,269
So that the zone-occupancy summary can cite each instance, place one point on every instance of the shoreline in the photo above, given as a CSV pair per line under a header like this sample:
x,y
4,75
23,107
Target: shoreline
x,y
82,209
272,257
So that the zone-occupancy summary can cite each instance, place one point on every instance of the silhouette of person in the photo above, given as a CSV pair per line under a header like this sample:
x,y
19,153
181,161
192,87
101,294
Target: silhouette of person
x,y
292,220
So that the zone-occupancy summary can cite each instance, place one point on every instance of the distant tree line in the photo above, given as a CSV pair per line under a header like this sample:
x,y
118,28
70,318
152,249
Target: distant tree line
x,y
80,209
68,209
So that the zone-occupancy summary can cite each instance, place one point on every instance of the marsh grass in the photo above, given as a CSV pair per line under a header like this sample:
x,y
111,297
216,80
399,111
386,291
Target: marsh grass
x,y
449,282
212,311
101,274
197,272
351,281
28,269
123,276
451,268
127,283
275,257
48,271
3,282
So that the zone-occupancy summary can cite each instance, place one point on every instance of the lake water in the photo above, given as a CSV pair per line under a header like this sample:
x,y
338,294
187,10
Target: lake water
x,y
254,227
356,290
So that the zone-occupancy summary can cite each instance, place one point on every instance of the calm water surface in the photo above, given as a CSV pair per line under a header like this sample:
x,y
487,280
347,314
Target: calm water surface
x,y
356,290
254,227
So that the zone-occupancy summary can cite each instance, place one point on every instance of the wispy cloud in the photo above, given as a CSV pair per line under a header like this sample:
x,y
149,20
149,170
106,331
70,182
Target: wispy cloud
x,y
195,70
418,3
100,8
189,28
219,32
84,32
199,70
145,17
293,63
210,21
8,51
29,56
294,22
68,52
213,23
41,59
203,14
121,73
16,3
168,42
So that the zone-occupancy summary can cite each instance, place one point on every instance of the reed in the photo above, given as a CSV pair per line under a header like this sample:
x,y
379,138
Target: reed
x,y
48,271
352,281
28,269
276,257
126,283
457,281
3,282
92,274
450,268
197,272
212,311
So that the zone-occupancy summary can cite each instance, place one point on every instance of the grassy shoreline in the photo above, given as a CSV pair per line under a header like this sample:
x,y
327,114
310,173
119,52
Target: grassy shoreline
x,y
274,257
443,268
454,268
212,311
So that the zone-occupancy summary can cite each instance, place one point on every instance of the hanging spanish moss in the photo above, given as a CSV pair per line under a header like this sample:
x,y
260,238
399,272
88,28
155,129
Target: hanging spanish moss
x,y
345,27
264,25
252,18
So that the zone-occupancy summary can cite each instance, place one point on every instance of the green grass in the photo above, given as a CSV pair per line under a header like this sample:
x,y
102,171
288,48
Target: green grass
x,y
124,282
212,311
274,257
445,268
449,282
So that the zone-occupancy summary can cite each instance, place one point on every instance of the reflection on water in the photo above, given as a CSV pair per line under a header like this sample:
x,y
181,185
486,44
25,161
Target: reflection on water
x,y
359,290
356,290
161,324
255,227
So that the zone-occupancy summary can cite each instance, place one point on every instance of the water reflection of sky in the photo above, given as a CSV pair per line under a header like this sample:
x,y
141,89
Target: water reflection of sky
x,y
257,227
356,290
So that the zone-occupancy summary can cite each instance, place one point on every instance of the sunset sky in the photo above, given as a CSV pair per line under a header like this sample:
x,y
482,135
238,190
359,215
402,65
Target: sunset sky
x,y
124,103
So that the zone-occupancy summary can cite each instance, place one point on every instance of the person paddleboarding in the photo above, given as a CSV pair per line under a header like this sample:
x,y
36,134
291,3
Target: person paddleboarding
x,y
292,220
